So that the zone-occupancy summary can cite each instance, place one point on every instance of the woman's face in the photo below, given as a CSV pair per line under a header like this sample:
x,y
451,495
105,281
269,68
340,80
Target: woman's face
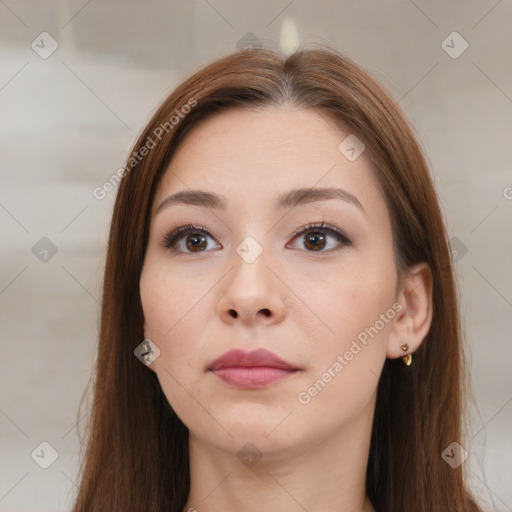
x,y
259,277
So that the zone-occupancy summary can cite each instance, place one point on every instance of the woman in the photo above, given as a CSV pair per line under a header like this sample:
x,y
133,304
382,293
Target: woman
x,y
279,326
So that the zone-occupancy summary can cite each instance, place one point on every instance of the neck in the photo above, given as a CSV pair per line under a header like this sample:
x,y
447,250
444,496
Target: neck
x,y
328,476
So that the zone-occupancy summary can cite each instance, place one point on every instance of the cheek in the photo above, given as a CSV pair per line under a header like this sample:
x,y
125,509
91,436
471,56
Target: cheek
x,y
345,368
339,302
166,296
174,312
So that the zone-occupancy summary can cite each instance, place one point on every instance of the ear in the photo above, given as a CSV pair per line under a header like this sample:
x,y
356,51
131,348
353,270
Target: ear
x,y
413,322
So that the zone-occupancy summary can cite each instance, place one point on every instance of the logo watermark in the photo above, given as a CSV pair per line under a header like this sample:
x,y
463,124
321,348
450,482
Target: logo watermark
x,y
44,454
454,45
454,455
352,147
44,45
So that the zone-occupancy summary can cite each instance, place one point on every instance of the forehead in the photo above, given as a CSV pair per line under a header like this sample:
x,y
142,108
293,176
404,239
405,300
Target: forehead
x,y
249,155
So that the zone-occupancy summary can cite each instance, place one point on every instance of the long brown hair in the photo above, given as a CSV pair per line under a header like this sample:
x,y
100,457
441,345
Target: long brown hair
x,y
136,454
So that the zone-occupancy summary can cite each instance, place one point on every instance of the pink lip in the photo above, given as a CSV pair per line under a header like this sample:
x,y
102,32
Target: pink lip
x,y
253,369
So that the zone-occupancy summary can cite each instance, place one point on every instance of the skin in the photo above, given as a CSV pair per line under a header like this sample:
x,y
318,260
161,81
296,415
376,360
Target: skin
x,y
314,455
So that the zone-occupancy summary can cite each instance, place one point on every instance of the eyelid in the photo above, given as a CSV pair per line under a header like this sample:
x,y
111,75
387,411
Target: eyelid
x,y
169,239
336,232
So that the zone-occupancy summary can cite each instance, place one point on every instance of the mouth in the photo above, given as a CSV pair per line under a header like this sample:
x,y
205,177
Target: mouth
x,y
252,377
255,369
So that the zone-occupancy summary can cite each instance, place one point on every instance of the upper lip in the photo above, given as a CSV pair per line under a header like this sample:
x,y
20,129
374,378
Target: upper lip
x,y
249,359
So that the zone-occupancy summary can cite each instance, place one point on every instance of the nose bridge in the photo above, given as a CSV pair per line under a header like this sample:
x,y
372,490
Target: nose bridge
x,y
252,286
251,261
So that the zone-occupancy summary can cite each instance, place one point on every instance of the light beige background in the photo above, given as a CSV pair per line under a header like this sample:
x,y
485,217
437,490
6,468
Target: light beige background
x,y
69,120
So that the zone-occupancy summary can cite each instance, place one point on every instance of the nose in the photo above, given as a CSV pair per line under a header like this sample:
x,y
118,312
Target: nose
x,y
252,294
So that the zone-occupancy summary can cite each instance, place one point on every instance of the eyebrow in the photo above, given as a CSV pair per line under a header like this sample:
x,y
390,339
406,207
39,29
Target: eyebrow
x,y
288,200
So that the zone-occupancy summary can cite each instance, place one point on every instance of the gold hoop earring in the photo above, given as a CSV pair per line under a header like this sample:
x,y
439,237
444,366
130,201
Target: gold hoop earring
x,y
407,359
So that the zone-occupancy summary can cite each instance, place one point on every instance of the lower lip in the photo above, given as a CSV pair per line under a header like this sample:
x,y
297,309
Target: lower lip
x,y
256,377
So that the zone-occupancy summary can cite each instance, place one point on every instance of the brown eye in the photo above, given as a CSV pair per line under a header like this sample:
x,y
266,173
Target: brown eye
x,y
315,241
316,238
197,241
195,238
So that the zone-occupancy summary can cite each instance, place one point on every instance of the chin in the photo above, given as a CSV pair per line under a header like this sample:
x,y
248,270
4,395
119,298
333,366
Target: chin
x,y
270,437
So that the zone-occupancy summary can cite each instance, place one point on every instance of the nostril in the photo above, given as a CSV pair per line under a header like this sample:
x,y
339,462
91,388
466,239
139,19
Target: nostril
x,y
266,312
233,313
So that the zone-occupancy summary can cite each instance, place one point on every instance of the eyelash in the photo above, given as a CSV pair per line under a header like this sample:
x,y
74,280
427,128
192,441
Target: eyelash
x,y
170,239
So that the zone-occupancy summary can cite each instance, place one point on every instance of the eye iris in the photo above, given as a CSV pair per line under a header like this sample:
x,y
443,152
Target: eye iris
x,y
199,242
315,237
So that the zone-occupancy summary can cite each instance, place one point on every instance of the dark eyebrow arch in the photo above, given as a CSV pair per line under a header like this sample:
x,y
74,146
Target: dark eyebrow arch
x,y
288,200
